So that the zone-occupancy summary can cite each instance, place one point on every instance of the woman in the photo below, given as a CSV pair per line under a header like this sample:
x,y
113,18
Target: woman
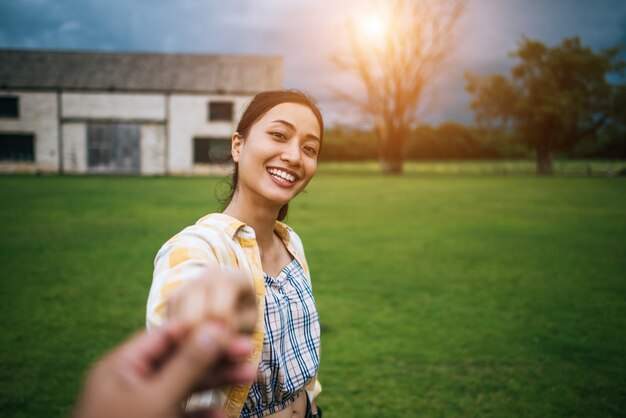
x,y
275,150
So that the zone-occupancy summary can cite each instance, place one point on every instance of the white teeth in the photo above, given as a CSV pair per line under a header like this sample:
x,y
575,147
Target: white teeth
x,y
281,174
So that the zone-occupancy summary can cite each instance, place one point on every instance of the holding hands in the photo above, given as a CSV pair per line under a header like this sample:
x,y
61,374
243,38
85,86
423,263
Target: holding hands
x,y
201,347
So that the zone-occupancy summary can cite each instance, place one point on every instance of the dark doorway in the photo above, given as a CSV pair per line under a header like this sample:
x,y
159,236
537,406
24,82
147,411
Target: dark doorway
x,y
113,148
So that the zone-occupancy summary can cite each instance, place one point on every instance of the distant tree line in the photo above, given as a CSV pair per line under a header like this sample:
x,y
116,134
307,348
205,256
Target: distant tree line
x,y
456,141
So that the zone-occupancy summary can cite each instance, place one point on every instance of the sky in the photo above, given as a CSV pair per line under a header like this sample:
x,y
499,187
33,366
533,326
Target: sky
x,y
306,34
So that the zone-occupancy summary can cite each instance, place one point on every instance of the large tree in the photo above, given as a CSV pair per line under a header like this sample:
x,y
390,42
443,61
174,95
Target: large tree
x,y
554,97
396,49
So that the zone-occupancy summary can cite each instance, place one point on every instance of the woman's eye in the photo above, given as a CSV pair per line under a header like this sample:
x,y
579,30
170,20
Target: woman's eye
x,y
278,135
311,150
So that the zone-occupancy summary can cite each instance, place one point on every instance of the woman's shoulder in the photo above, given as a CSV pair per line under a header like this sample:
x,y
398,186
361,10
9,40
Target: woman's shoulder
x,y
210,237
294,245
220,222
211,228
288,234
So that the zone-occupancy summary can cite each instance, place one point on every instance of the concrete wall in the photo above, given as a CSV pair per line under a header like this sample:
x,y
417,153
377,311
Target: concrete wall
x,y
118,106
74,147
38,116
188,118
152,143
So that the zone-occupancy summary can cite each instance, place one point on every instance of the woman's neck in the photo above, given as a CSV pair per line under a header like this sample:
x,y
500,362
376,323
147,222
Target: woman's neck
x,y
259,217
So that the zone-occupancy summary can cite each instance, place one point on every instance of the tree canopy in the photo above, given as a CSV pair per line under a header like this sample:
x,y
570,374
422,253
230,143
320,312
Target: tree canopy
x,y
554,97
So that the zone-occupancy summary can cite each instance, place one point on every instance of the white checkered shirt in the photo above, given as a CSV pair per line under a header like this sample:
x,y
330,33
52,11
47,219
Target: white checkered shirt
x,y
291,344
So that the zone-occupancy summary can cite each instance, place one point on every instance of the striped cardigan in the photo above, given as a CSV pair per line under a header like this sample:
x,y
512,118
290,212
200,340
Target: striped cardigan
x,y
219,239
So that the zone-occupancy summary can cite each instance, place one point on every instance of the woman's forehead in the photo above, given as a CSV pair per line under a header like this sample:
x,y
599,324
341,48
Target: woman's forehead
x,y
300,116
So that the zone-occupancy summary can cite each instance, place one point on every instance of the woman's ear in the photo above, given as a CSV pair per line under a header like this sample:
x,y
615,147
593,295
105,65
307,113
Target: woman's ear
x,y
235,146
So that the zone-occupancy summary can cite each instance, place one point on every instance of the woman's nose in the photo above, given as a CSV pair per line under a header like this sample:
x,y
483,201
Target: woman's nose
x,y
291,153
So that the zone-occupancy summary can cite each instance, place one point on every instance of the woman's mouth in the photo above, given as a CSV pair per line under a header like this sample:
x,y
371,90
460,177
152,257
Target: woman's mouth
x,y
282,177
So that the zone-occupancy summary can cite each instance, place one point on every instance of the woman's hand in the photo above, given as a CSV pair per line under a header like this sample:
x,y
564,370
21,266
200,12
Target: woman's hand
x,y
226,297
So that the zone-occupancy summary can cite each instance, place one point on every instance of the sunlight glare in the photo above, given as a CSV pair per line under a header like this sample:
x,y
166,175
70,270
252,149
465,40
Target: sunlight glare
x,y
372,27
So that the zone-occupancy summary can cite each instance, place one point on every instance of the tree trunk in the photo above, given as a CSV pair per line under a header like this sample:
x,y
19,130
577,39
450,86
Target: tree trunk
x,y
391,152
544,159
392,167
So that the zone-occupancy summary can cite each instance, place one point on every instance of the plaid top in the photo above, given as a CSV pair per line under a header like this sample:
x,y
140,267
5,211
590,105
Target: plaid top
x,y
291,345
219,240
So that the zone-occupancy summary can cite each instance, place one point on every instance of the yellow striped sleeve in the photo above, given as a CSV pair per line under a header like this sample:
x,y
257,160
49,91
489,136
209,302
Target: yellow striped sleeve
x,y
181,254
180,259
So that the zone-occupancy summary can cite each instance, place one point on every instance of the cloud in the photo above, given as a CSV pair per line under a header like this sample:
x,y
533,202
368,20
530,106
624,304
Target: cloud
x,y
70,26
34,2
305,33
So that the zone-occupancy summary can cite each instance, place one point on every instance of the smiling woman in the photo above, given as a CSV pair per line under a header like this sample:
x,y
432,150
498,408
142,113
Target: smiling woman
x,y
275,150
284,141
263,119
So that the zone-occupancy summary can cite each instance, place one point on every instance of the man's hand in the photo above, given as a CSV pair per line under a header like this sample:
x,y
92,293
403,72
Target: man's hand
x,y
150,375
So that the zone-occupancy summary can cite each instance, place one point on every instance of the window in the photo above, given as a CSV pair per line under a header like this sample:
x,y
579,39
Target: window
x,y
17,147
211,150
221,111
9,107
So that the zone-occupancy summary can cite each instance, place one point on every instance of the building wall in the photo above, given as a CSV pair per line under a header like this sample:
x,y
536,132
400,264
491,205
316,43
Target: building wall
x,y
38,116
188,118
148,110
168,126
117,106
152,149
74,147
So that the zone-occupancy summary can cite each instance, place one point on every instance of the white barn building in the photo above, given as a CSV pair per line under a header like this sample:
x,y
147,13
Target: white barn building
x,y
124,113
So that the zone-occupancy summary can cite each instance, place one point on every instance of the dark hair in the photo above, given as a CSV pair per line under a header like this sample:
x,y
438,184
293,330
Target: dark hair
x,y
259,106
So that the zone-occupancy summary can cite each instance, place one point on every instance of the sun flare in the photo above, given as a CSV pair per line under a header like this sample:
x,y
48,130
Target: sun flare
x,y
372,27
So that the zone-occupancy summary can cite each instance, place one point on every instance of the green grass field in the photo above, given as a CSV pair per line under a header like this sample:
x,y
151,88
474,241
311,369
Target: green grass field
x,y
439,296
589,168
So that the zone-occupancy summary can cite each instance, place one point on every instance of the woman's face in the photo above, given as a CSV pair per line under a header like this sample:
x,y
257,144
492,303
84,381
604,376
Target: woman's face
x,y
279,157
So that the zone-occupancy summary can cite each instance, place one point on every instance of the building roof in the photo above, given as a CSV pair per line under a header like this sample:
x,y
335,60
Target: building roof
x,y
145,72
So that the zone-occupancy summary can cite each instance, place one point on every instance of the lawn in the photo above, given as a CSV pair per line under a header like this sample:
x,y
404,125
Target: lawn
x,y
439,296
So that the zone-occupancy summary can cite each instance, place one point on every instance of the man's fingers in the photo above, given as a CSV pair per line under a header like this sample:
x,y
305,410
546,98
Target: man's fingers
x,y
167,337
205,413
135,359
244,373
191,361
239,347
232,375
231,367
